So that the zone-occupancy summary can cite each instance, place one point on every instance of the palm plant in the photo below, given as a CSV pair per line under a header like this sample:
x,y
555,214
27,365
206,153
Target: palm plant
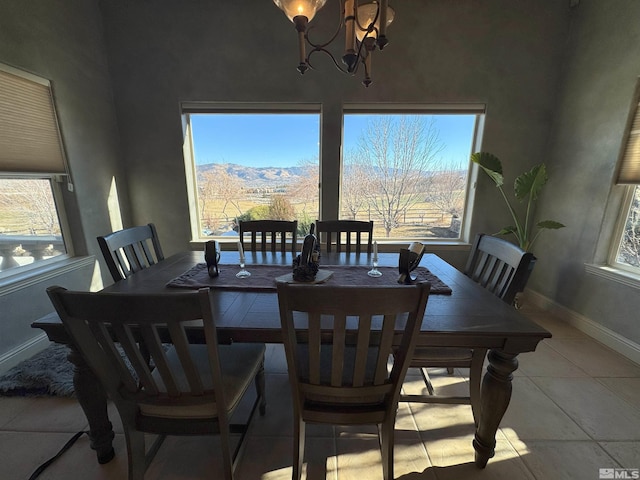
x,y
526,187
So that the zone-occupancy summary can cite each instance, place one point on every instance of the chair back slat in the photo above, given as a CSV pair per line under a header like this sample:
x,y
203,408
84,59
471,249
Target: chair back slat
x,y
130,250
123,328
360,364
345,360
499,266
314,346
181,343
128,343
274,234
348,235
338,350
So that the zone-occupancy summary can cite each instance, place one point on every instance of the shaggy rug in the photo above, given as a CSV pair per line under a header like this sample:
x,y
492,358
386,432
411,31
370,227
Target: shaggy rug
x,y
46,373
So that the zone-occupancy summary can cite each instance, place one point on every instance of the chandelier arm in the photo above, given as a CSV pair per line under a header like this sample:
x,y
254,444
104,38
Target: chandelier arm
x,y
372,24
330,55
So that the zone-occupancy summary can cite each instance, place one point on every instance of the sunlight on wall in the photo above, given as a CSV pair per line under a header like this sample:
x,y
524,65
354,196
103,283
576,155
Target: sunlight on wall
x,y
96,278
113,206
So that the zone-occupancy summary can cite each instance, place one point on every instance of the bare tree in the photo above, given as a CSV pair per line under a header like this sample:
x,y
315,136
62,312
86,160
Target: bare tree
x,y
305,189
354,184
218,185
395,156
630,246
30,201
448,188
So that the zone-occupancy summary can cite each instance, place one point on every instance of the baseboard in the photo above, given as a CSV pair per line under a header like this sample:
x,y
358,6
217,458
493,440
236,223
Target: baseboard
x,y
608,337
23,352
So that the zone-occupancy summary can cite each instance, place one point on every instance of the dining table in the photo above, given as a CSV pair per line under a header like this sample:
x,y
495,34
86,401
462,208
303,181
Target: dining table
x,y
459,313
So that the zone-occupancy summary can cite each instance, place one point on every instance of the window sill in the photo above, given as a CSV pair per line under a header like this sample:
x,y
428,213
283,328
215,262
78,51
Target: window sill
x,y
33,276
434,246
616,275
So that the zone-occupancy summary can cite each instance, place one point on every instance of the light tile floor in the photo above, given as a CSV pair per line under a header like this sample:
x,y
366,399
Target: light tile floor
x,y
575,409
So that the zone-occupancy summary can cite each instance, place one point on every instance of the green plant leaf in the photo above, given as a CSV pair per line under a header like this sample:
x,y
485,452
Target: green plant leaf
x,y
550,224
508,230
490,164
531,182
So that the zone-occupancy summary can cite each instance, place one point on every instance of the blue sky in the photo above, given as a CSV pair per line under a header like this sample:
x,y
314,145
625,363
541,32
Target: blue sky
x,y
284,140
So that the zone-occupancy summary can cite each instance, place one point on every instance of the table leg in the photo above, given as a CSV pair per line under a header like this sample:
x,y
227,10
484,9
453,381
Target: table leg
x,y
494,399
93,400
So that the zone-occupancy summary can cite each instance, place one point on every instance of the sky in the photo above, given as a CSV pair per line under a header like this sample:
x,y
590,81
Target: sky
x,y
285,140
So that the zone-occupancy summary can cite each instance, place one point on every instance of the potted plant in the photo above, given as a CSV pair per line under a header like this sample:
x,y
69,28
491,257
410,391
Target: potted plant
x,y
527,187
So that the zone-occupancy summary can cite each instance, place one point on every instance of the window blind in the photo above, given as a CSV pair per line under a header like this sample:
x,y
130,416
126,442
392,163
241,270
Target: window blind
x,y
30,140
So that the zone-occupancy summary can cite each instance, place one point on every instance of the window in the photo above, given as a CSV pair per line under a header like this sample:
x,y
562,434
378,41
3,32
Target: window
x,y
405,169
251,165
29,225
31,158
626,251
408,172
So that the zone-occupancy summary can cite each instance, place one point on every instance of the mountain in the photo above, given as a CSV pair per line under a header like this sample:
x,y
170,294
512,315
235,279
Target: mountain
x,y
256,176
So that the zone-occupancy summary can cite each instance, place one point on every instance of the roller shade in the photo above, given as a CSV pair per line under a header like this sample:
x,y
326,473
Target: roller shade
x,y
29,136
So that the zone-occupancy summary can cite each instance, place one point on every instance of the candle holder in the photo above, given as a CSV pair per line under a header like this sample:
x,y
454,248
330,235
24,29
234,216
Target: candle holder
x,y
374,272
242,273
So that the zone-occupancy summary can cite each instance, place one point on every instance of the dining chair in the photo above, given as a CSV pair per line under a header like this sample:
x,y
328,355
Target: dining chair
x,y
347,234
130,250
193,389
338,344
270,233
500,267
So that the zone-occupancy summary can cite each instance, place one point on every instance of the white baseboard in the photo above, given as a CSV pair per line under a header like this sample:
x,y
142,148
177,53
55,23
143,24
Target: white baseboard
x,y
608,337
23,352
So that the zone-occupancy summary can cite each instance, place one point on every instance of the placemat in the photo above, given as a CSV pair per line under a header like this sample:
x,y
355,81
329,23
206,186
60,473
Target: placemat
x,y
263,277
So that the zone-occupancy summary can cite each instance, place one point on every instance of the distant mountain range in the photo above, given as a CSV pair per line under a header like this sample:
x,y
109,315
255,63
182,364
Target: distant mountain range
x,y
256,176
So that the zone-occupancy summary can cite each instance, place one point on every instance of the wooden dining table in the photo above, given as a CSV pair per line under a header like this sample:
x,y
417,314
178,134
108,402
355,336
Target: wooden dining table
x,y
464,315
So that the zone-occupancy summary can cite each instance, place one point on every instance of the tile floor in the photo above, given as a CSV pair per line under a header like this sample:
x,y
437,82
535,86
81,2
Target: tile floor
x,y
575,409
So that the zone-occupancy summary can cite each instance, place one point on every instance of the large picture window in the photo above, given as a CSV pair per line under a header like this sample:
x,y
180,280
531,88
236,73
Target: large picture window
x,y
408,171
254,165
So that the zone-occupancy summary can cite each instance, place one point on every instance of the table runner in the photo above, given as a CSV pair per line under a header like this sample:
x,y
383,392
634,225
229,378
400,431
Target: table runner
x,y
263,277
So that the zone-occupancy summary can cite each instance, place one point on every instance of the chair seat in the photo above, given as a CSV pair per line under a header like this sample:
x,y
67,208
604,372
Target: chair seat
x,y
238,363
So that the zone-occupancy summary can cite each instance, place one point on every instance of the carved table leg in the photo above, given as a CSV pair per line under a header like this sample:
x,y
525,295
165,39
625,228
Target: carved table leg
x,y
93,400
494,400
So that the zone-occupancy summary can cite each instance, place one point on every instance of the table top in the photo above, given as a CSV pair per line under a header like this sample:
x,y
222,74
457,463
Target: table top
x,y
470,316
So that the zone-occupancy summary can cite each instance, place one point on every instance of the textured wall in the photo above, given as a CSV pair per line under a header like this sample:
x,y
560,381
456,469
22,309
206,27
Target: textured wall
x,y
599,78
62,40
502,53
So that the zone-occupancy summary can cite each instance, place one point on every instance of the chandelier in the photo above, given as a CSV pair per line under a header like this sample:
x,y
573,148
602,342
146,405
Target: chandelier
x,y
365,28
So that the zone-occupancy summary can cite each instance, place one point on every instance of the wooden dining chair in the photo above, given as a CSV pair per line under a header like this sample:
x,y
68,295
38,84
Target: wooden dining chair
x,y
193,389
269,234
346,235
502,268
130,250
338,364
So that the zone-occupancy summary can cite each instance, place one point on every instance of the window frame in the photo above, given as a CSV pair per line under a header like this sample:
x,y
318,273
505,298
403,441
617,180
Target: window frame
x,y
479,110
618,232
329,145
34,95
200,108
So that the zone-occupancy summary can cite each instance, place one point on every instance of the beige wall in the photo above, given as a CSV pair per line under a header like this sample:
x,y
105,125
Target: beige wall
x,y
120,68
502,53
599,76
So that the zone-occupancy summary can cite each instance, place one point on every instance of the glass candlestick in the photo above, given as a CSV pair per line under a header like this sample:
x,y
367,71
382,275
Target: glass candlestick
x,y
243,273
374,272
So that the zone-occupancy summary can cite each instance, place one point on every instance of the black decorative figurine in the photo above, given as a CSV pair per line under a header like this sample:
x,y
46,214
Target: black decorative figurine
x,y
305,265
212,257
409,261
